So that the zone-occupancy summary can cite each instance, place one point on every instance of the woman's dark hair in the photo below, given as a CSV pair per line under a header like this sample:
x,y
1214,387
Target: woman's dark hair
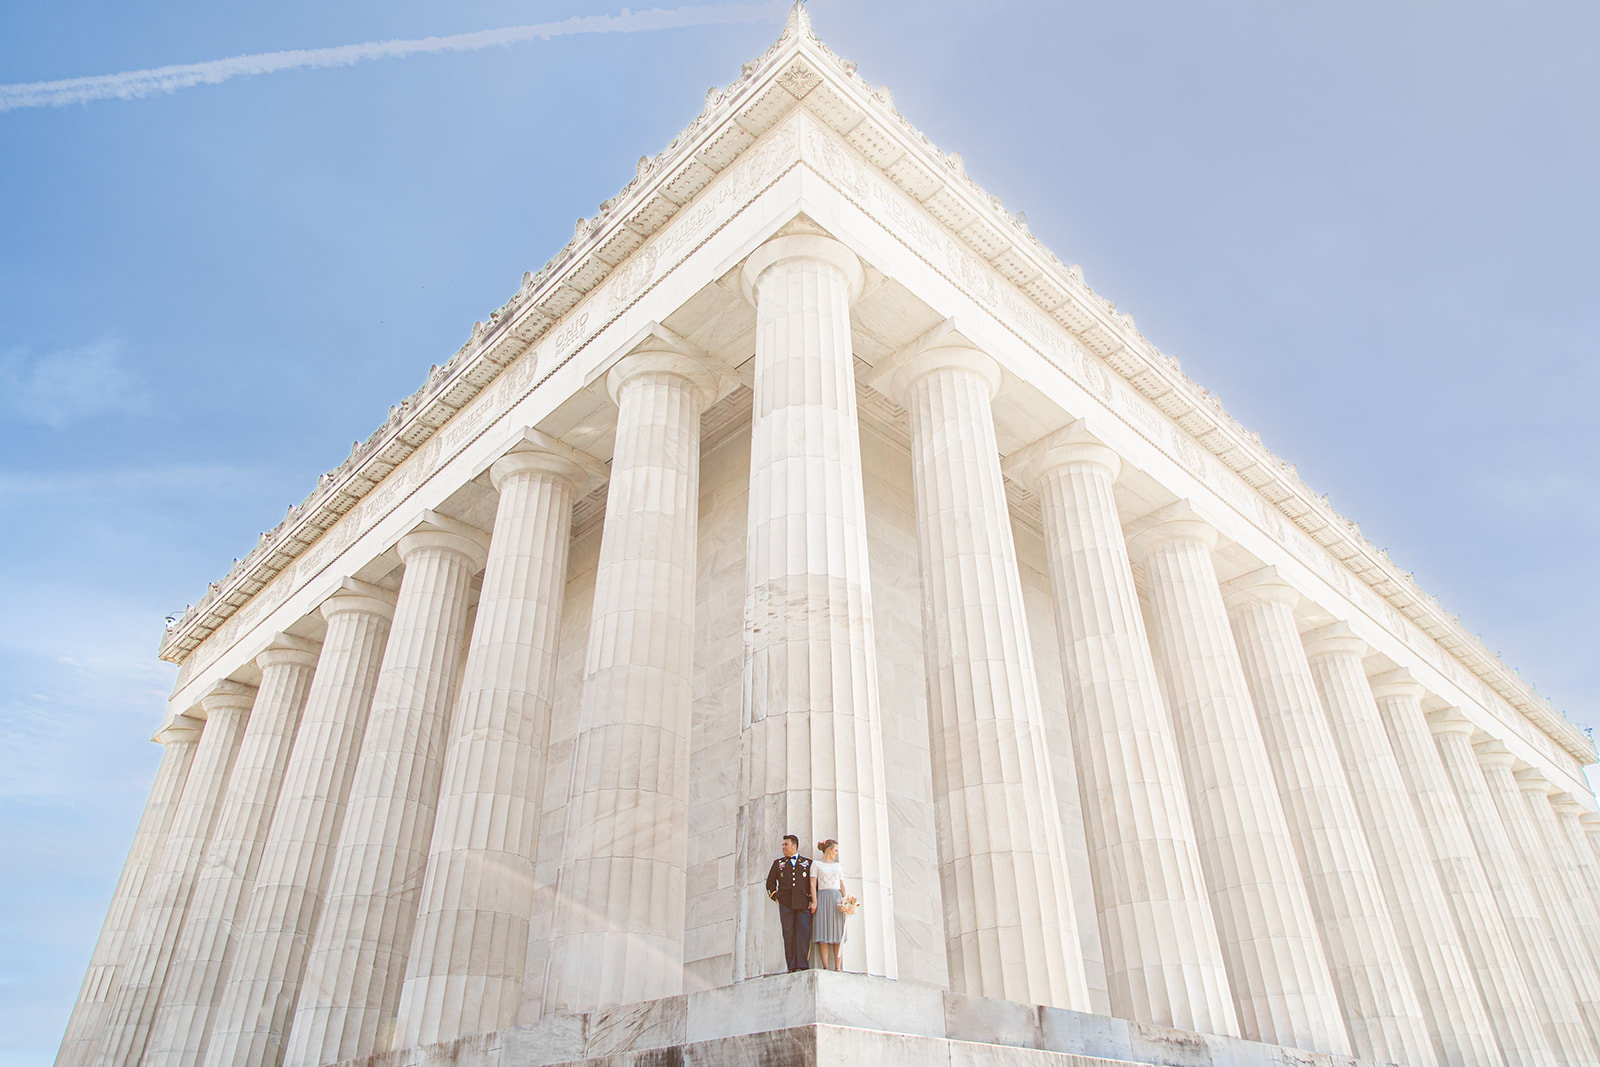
x,y
824,846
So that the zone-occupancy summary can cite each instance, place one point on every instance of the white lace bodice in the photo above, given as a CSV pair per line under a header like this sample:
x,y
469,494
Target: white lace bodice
x,y
828,875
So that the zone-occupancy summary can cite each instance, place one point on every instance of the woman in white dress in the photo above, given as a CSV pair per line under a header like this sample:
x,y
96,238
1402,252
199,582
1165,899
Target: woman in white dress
x,y
827,889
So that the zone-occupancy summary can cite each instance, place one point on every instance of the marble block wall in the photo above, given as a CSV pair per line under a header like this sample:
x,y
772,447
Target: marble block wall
x,y
903,703
572,652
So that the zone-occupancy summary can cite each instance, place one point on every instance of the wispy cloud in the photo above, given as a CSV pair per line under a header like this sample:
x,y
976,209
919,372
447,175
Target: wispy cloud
x,y
133,84
70,384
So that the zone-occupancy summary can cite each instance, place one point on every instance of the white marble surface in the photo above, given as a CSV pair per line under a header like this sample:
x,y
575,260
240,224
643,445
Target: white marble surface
x,y
812,759
255,1006
103,979
822,1018
620,894
1537,952
356,965
1380,1007
1276,966
1441,973
1010,927
1526,837
1163,961
221,896
1483,932
465,972
127,1027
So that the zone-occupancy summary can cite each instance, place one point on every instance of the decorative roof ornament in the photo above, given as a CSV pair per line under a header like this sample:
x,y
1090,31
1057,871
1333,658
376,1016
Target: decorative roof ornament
x,y
799,23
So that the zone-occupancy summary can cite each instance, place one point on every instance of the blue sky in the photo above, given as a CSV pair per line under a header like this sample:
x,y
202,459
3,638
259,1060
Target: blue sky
x,y
1370,227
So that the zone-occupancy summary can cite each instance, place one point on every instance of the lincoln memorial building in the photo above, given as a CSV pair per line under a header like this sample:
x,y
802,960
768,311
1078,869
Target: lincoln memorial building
x,y
804,491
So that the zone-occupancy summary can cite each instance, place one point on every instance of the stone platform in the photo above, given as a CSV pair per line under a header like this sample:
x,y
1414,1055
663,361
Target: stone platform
x,y
824,1018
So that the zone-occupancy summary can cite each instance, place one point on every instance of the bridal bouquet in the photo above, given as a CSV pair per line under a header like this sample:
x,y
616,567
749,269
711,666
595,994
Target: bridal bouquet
x,y
848,905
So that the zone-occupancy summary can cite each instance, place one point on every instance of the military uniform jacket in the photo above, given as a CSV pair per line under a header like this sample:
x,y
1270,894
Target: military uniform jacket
x,y
790,883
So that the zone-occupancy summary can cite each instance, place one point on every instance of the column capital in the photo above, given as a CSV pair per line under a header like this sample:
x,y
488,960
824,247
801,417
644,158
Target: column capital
x,y
1567,804
1332,640
288,650
1494,753
1071,445
1447,721
536,452
451,535
1590,821
181,728
704,377
944,346
1533,780
1175,522
806,247
227,694
1264,585
1396,683
356,595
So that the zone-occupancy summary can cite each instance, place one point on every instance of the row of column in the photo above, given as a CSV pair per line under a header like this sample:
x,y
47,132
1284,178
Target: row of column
x,y
340,860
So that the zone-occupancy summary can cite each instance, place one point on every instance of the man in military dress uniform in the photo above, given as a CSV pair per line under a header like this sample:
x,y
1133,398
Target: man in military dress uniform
x,y
789,883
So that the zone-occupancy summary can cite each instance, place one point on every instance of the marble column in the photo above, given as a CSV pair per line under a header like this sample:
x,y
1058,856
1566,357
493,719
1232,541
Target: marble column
x,y
100,984
1537,789
1010,929
254,1009
1497,762
1571,813
1510,1002
1591,829
354,971
467,954
1381,1010
1585,877
811,760
1552,989
621,890
1440,971
1164,964
222,891
127,1028
1279,973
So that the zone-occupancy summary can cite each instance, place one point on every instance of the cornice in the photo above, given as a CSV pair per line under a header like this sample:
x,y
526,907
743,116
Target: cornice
x,y
798,70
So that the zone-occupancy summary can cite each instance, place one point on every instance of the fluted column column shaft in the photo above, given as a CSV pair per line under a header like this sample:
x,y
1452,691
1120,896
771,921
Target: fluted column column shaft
x,y
1281,984
1591,829
467,955
122,1043
222,891
1536,792
253,1013
621,891
1553,994
811,733
356,966
1010,929
1569,813
111,950
1534,853
1440,971
1163,962
1505,990
1380,1006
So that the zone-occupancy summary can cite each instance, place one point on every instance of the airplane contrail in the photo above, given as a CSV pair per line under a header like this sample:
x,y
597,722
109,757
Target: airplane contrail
x,y
134,84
